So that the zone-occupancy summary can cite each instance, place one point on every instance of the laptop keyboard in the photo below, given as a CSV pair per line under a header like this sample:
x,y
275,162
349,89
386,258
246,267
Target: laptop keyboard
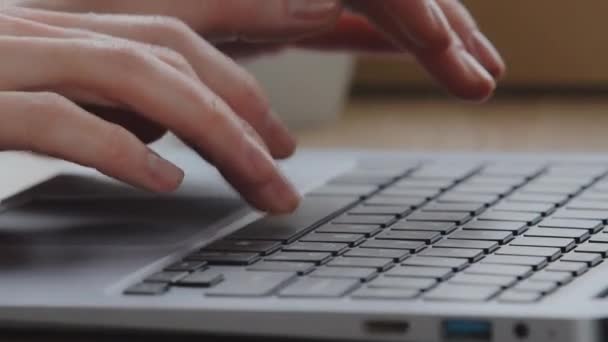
x,y
505,232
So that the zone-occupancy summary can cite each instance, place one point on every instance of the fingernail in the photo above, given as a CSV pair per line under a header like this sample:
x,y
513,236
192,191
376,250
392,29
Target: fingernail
x,y
482,84
487,54
473,66
169,175
312,9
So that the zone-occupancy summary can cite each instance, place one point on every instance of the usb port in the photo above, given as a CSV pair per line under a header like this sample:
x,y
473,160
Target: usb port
x,y
467,330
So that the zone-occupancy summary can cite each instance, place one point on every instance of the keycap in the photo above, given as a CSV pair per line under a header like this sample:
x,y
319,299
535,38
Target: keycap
x,y
440,184
576,268
453,263
543,287
379,200
501,237
547,252
334,248
384,210
442,227
288,228
426,237
483,279
365,177
314,257
529,218
510,169
485,246
537,198
491,189
455,217
271,266
599,238
591,225
350,239
363,274
147,289
589,258
439,273
517,297
561,278
262,247
451,171
186,266
513,181
363,219
456,197
535,262
581,214
553,189
513,227
587,205
462,293
377,263
251,284
579,235
395,254
343,190
591,195
471,208
563,243
502,270
409,192
421,284
541,208
165,277
411,246
310,287
367,230
224,258
206,278
472,255
598,248
385,293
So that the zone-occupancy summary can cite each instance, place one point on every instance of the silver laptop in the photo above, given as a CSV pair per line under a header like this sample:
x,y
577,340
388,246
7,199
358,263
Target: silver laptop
x,y
386,246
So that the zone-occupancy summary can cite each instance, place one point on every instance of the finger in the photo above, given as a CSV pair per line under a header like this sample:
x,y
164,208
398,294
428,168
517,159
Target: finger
x,y
227,79
50,124
476,42
184,106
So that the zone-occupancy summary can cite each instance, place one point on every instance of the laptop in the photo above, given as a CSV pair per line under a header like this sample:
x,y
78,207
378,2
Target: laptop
x,y
386,246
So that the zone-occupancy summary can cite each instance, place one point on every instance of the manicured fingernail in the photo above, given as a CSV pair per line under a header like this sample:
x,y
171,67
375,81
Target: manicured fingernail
x,y
487,54
312,9
168,175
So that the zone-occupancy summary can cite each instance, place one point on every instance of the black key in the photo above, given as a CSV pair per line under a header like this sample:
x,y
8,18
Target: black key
x,y
383,210
563,243
501,237
442,227
483,279
251,284
599,238
376,263
597,248
547,252
350,239
147,289
290,227
485,246
536,262
513,227
168,277
471,208
453,263
439,273
395,254
502,270
344,190
310,287
314,257
420,284
411,246
518,297
252,246
541,208
363,274
544,287
206,278
455,217
589,258
270,266
462,293
591,225
409,192
529,218
224,258
426,237
395,201
457,197
363,219
576,268
328,247
579,235
581,214
537,198
472,255
362,229
385,293
561,278
186,266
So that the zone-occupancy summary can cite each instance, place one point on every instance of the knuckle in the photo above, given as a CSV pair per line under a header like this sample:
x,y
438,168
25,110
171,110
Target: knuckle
x,y
168,28
128,57
174,58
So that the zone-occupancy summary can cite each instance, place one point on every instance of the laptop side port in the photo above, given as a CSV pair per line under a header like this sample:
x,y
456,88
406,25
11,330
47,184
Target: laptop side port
x,y
381,327
455,330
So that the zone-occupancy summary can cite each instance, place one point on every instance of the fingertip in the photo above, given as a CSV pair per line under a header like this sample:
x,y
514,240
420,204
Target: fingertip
x,y
167,176
487,54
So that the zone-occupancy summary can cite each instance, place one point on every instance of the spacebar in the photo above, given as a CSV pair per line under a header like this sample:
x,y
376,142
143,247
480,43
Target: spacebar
x,y
288,228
